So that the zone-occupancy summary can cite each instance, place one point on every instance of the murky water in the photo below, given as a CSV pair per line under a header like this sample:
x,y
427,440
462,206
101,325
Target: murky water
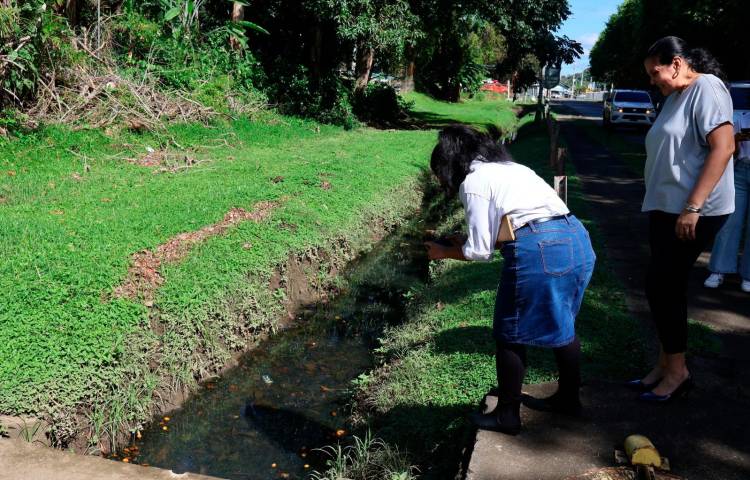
x,y
266,418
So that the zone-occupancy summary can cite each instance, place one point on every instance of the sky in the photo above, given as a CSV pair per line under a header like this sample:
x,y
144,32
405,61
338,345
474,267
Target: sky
x,y
586,22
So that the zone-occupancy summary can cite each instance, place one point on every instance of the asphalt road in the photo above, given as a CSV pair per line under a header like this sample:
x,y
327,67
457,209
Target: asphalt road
x,y
588,110
593,111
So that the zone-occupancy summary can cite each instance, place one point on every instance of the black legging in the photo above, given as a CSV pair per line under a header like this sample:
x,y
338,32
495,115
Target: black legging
x,y
511,368
668,272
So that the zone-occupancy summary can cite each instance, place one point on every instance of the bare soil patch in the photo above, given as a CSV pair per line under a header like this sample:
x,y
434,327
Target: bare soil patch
x,y
143,278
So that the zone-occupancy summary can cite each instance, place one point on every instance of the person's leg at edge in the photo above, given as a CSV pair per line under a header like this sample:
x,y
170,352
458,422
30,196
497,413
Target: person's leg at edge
x,y
727,243
566,399
742,202
568,359
670,308
510,364
661,229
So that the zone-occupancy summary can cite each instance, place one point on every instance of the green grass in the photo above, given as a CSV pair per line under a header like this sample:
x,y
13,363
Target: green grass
x,y
73,211
66,244
478,112
440,362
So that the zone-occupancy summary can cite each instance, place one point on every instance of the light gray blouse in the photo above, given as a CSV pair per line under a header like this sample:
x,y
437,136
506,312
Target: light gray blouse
x,y
676,148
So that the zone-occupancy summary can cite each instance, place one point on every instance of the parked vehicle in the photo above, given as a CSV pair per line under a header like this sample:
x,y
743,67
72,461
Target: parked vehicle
x,y
740,92
628,107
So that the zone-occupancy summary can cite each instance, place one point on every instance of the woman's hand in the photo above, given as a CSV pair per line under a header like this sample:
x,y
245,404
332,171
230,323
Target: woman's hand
x,y
456,239
437,251
685,227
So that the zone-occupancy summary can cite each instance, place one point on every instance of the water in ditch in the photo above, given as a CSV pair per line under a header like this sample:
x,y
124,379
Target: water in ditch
x,y
268,417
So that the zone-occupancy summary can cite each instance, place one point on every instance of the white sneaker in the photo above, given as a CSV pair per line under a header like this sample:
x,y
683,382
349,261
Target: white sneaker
x,y
714,280
745,286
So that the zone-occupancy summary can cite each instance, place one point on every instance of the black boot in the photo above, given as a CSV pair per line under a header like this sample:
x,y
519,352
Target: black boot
x,y
566,399
506,418
567,403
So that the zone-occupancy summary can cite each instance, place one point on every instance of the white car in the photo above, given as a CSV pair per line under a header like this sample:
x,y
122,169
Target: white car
x,y
628,107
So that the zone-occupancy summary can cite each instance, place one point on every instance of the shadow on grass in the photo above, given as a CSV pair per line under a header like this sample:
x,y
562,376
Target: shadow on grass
x,y
473,339
422,431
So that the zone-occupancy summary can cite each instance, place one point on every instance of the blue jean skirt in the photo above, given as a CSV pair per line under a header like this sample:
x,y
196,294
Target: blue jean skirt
x,y
546,271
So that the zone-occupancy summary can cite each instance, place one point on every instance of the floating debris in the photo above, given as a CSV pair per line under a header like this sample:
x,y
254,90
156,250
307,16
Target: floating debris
x,y
267,379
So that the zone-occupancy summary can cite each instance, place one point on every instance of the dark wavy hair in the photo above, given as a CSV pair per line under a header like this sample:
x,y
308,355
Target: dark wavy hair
x,y
458,146
699,59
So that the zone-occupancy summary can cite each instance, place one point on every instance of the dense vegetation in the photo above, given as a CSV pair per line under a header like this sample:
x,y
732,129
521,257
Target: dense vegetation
x,y
128,124
79,208
61,59
718,25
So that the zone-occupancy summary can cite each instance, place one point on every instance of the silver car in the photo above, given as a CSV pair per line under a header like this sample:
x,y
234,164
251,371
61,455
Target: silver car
x,y
628,107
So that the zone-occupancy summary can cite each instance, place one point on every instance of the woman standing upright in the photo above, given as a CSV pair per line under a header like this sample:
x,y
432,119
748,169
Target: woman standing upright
x,y
689,195
547,267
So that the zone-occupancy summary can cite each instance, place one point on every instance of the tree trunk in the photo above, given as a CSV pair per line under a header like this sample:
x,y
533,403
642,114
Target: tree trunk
x,y
71,11
365,57
409,68
238,14
454,92
316,52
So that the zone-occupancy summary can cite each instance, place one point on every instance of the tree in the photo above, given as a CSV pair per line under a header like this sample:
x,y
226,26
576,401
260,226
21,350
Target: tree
x,y
552,50
238,14
445,57
72,11
529,31
718,25
376,27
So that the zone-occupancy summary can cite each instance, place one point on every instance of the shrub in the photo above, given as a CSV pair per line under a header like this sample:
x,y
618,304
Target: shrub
x,y
326,100
135,34
379,103
35,43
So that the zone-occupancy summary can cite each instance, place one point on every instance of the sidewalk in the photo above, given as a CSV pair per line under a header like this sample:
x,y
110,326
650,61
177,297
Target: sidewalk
x,y
20,460
704,436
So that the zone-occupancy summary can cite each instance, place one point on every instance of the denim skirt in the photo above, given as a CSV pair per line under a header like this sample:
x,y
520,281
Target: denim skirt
x,y
545,273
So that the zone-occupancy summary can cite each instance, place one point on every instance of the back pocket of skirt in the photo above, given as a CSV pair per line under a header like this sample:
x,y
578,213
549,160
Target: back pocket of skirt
x,y
557,256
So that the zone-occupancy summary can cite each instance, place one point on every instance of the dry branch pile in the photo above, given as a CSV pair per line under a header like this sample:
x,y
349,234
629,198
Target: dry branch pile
x,y
94,95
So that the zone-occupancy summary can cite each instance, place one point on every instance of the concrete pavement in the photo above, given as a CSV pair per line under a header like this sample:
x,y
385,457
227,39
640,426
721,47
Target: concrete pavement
x,y
20,460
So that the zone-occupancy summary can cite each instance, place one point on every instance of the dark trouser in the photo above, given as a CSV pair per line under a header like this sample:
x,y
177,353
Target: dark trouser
x,y
667,278
511,368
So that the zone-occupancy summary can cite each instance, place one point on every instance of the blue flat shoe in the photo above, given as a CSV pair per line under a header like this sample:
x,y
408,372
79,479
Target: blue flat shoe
x,y
639,386
682,390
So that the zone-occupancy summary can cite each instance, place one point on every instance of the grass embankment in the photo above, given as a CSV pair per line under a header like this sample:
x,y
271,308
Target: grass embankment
x,y
478,112
74,211
440,363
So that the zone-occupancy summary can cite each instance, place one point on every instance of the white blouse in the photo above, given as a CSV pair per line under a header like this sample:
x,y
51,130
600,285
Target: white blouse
x,y
492,190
